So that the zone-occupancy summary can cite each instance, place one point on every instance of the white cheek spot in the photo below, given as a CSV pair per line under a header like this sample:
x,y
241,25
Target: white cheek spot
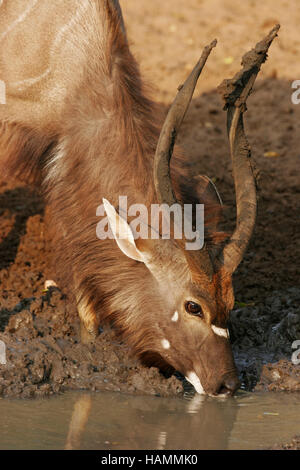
x,y
165,344
220,331
195,381
175,316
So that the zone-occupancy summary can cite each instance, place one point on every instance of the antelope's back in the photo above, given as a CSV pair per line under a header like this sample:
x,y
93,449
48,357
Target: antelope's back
x,y
50,52
44,49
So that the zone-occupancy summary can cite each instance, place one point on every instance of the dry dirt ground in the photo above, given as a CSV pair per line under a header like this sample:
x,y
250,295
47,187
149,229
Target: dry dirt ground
x,y
41,329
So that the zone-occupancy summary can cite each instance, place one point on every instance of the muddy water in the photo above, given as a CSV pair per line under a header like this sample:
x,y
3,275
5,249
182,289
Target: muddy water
x,y
114,421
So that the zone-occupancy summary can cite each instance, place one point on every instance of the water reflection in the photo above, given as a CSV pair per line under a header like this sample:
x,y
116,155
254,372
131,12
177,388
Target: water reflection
x,y
115,421
78,421
197,423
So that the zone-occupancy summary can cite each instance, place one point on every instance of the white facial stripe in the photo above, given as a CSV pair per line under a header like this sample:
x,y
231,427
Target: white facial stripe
x,y
165,344
175,316
220,331
195,381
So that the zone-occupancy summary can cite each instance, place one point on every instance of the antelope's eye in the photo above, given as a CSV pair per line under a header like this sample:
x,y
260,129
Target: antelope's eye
x,y
193,309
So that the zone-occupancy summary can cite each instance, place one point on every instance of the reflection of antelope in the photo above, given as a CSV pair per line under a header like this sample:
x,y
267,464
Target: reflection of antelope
x,y
77,118
78,421
116,422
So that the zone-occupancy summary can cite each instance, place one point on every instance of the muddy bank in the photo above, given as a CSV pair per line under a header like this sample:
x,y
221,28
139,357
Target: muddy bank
x,y
44,354
262,336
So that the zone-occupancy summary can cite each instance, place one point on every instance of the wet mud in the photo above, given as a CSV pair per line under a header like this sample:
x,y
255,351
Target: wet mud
x,y
44,355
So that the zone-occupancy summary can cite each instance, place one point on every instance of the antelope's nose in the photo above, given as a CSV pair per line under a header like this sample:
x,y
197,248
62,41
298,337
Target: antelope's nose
x,y
229,385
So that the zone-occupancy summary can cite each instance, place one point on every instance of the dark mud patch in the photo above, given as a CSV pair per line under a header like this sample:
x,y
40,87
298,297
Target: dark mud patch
x,y
16,206
263,338
44,356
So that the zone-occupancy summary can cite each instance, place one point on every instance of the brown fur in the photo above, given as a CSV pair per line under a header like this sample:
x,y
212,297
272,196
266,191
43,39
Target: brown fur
x,y
24,152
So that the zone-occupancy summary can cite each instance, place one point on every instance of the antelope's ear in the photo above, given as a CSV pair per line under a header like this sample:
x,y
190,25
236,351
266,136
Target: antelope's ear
x,y
122,233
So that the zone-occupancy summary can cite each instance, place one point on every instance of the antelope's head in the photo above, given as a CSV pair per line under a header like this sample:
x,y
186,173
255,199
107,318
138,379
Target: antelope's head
x,y
191,291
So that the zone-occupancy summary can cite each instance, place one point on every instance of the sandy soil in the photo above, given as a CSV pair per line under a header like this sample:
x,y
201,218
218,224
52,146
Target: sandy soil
x,y
293,445
41,329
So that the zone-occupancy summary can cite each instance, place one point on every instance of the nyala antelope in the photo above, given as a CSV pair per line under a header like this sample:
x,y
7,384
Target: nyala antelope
x,y
77,121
